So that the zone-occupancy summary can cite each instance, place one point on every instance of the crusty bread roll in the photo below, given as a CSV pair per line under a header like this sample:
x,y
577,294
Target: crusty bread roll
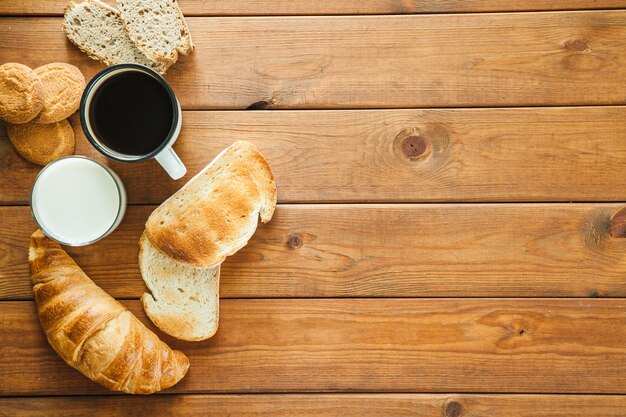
x,y
216,212
93,332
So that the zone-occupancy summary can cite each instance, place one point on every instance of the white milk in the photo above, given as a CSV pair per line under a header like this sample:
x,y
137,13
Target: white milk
x,y
77,201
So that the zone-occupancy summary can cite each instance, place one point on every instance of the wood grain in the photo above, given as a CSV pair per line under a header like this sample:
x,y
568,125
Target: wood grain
x,y
546,250
378,345
455,60
316,405
333,7
279,333
541,154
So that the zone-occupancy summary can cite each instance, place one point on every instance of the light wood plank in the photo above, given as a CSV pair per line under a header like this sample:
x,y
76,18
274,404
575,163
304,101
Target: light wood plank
x,y
333,7
368,250
379,345
503,59
316,405
543,154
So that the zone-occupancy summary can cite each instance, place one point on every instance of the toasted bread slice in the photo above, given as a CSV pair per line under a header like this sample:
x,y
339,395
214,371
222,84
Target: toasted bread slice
x,y
216,212
183,302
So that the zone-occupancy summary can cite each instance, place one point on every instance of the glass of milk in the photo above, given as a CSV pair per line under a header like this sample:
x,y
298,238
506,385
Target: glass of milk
x,y
77,201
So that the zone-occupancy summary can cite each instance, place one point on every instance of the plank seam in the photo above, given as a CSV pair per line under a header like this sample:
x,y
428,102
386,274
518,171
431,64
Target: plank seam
x,y
391,107
342,393
385,204
482,12
489,298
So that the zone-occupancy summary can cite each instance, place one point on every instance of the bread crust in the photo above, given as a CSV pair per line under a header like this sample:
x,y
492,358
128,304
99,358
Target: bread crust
x,y
21,93
181,326
63,86
160,67
92,331
42,144
216,212
144,47
91,53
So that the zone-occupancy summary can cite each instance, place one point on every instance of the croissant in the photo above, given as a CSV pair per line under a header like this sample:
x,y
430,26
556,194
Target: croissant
x,y
93,332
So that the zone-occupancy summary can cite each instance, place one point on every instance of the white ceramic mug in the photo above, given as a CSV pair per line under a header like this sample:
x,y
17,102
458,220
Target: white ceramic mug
x,y
164,154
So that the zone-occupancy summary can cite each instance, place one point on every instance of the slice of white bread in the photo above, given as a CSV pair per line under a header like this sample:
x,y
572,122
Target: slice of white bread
x,y
157,27
98,30
216,212
183,302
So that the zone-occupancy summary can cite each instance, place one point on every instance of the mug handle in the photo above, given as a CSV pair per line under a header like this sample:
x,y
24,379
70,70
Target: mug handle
x,y
171,163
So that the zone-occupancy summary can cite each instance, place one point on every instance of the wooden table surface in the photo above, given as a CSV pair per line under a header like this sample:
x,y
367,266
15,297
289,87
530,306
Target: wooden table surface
x,y
450,238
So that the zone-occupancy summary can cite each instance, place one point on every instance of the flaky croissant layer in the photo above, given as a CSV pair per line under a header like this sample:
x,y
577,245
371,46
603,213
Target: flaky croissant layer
x,y
92,331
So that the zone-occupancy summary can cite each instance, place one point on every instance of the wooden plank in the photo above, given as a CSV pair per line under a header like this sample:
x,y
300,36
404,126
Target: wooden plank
x,y
359,345
316,405
369,250
543,154
332,7
462,60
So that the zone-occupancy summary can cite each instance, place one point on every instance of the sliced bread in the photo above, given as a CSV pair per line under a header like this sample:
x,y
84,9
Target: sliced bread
x,y
216,212
183,302
157,27
98,30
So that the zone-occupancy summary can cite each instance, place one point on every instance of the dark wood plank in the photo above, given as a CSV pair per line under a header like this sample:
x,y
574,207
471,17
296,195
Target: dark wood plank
x,y
544,154
378,345
504,250
333,7
454,60
316,405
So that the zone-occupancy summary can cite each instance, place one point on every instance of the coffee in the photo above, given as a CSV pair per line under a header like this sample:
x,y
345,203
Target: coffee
x,y
131,113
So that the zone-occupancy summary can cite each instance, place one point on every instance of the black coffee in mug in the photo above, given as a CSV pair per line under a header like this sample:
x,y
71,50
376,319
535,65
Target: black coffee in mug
x,y
131,113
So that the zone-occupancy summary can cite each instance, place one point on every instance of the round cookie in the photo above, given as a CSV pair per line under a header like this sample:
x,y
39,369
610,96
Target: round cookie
x,y
39,143
21,93
63,86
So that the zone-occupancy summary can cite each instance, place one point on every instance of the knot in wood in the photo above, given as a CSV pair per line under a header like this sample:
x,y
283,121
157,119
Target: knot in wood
x,y
295,241
577,45
260,105
617,227
413,147
454,409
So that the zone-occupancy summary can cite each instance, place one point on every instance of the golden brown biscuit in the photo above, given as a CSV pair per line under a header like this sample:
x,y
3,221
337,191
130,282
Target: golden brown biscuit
x,y
39,143
21,93
63,86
